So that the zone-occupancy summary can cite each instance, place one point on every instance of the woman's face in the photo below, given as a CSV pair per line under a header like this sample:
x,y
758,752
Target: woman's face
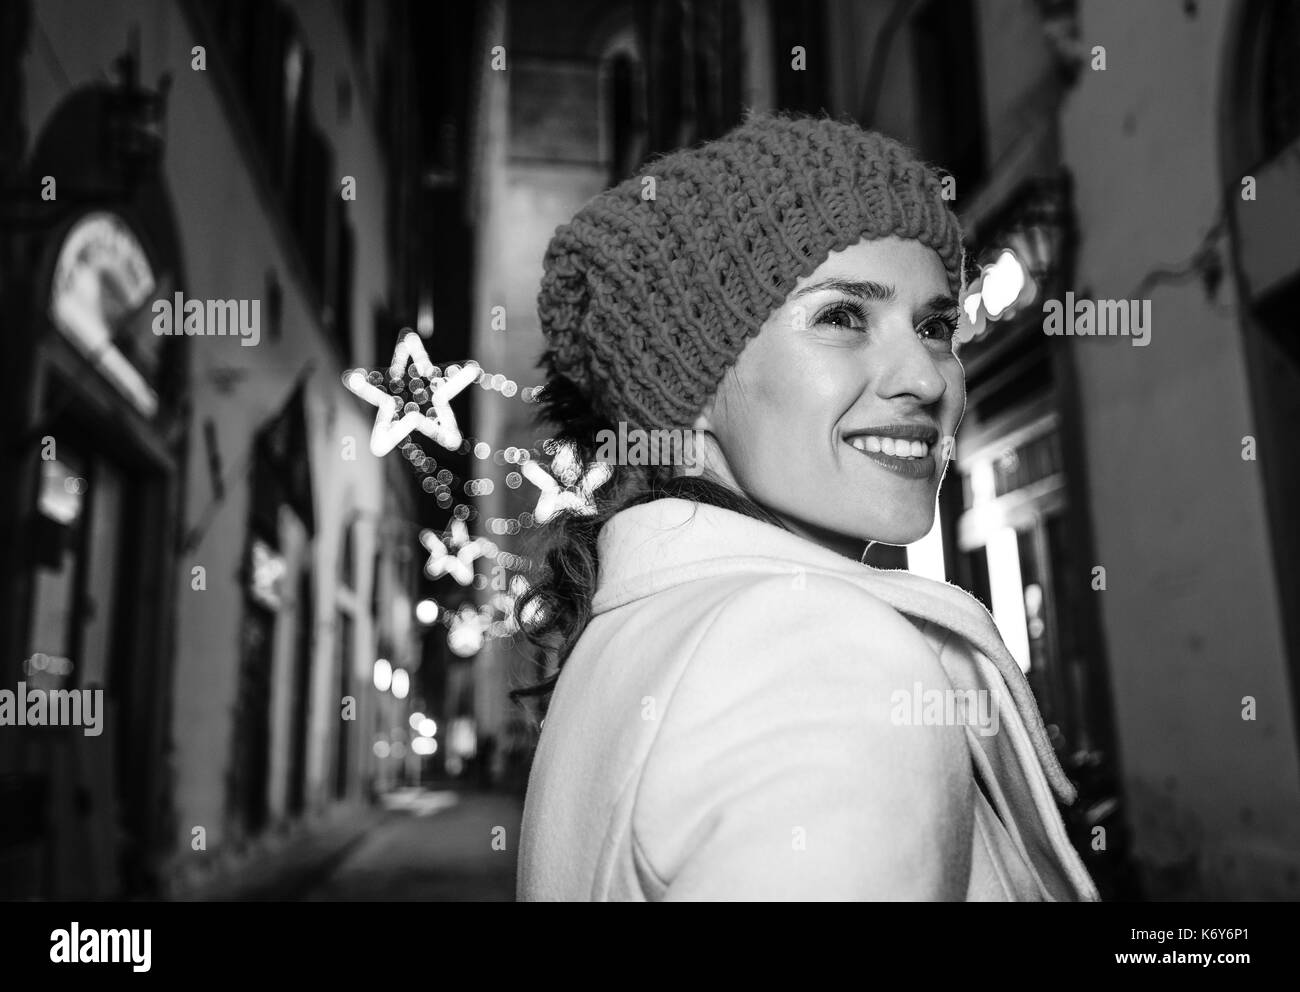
x,y
838,415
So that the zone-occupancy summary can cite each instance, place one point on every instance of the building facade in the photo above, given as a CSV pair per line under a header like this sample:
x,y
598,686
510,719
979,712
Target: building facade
x,y
204,227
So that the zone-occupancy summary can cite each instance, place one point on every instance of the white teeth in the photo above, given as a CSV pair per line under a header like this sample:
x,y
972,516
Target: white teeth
x,y
897,447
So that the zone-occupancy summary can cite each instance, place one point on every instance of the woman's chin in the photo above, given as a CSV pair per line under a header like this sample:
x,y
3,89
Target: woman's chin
x,y
895,532
856,531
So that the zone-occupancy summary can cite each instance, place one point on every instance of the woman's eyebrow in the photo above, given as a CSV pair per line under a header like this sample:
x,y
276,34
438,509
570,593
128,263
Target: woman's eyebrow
x,y
875,291
939,303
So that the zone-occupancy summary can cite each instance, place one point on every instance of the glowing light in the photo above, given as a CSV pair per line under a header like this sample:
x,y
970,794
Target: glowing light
x,y
381,749
444,428
401,683
465,637
416,719
463,736
925,557
459,534
426,611
389,430
268,569
460,566
1003,282
383,675
505,603
424,746
577,494
101,280
428,728
410,351
1007,591
983,483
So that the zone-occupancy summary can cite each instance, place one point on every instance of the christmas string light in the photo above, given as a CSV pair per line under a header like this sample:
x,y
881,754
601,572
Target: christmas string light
x,y
568,486
439,423
458,564
577,493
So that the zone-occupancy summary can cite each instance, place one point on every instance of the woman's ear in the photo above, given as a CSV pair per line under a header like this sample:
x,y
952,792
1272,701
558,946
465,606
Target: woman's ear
x,y
704,422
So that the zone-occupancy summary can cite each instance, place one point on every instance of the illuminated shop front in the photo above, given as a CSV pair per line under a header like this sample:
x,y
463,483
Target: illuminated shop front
x,y
1017,528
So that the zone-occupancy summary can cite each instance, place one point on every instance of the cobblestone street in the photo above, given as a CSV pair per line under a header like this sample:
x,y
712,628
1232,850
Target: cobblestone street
x,y
432,846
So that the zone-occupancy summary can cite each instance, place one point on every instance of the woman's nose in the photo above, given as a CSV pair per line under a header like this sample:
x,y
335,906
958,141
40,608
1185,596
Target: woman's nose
x,y
904,365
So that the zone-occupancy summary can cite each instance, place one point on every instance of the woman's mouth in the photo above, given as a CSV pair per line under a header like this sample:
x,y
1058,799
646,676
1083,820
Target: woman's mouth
x,y
908,457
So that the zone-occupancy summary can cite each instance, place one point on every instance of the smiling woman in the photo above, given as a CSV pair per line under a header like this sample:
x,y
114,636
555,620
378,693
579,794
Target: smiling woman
x,y
727,676
867,338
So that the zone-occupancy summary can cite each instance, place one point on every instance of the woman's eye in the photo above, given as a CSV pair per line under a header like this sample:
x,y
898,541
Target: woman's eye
x,y
843,315
939,329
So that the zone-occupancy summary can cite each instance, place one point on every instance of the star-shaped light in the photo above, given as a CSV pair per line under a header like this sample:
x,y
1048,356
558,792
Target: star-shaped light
x,y
459,533
410,351
576,494
459,565
391,429
505,602
444,389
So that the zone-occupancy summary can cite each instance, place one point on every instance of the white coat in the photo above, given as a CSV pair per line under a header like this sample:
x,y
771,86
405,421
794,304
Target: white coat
x,y
749,715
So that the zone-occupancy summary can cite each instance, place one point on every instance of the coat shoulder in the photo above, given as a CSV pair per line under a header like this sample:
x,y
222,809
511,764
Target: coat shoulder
x,y
784,716
836,604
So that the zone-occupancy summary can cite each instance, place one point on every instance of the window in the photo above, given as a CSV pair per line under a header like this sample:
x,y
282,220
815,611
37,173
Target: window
x,y
948,88
263,48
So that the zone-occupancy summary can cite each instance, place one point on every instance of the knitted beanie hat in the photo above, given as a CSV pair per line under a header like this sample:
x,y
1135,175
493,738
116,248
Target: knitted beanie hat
x,y
653,289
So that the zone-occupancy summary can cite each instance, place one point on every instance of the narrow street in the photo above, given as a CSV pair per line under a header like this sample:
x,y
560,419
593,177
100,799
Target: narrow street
x,y
433,846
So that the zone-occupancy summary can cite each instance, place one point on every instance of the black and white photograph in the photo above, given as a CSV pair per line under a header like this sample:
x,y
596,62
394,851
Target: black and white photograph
x,y
708,451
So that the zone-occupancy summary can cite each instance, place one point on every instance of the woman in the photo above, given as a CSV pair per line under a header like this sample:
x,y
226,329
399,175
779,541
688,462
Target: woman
x,y
743,709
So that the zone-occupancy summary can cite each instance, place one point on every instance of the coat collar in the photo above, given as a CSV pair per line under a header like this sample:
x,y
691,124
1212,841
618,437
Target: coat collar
x,y
656,546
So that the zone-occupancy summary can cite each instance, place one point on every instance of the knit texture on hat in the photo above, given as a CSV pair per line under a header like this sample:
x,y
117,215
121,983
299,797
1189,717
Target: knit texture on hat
x,y
645,303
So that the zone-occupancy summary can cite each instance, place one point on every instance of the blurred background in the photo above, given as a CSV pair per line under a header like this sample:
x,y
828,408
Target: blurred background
x,y
304,647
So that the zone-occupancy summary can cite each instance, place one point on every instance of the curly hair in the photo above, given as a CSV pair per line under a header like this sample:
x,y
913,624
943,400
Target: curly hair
x,y
553,613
